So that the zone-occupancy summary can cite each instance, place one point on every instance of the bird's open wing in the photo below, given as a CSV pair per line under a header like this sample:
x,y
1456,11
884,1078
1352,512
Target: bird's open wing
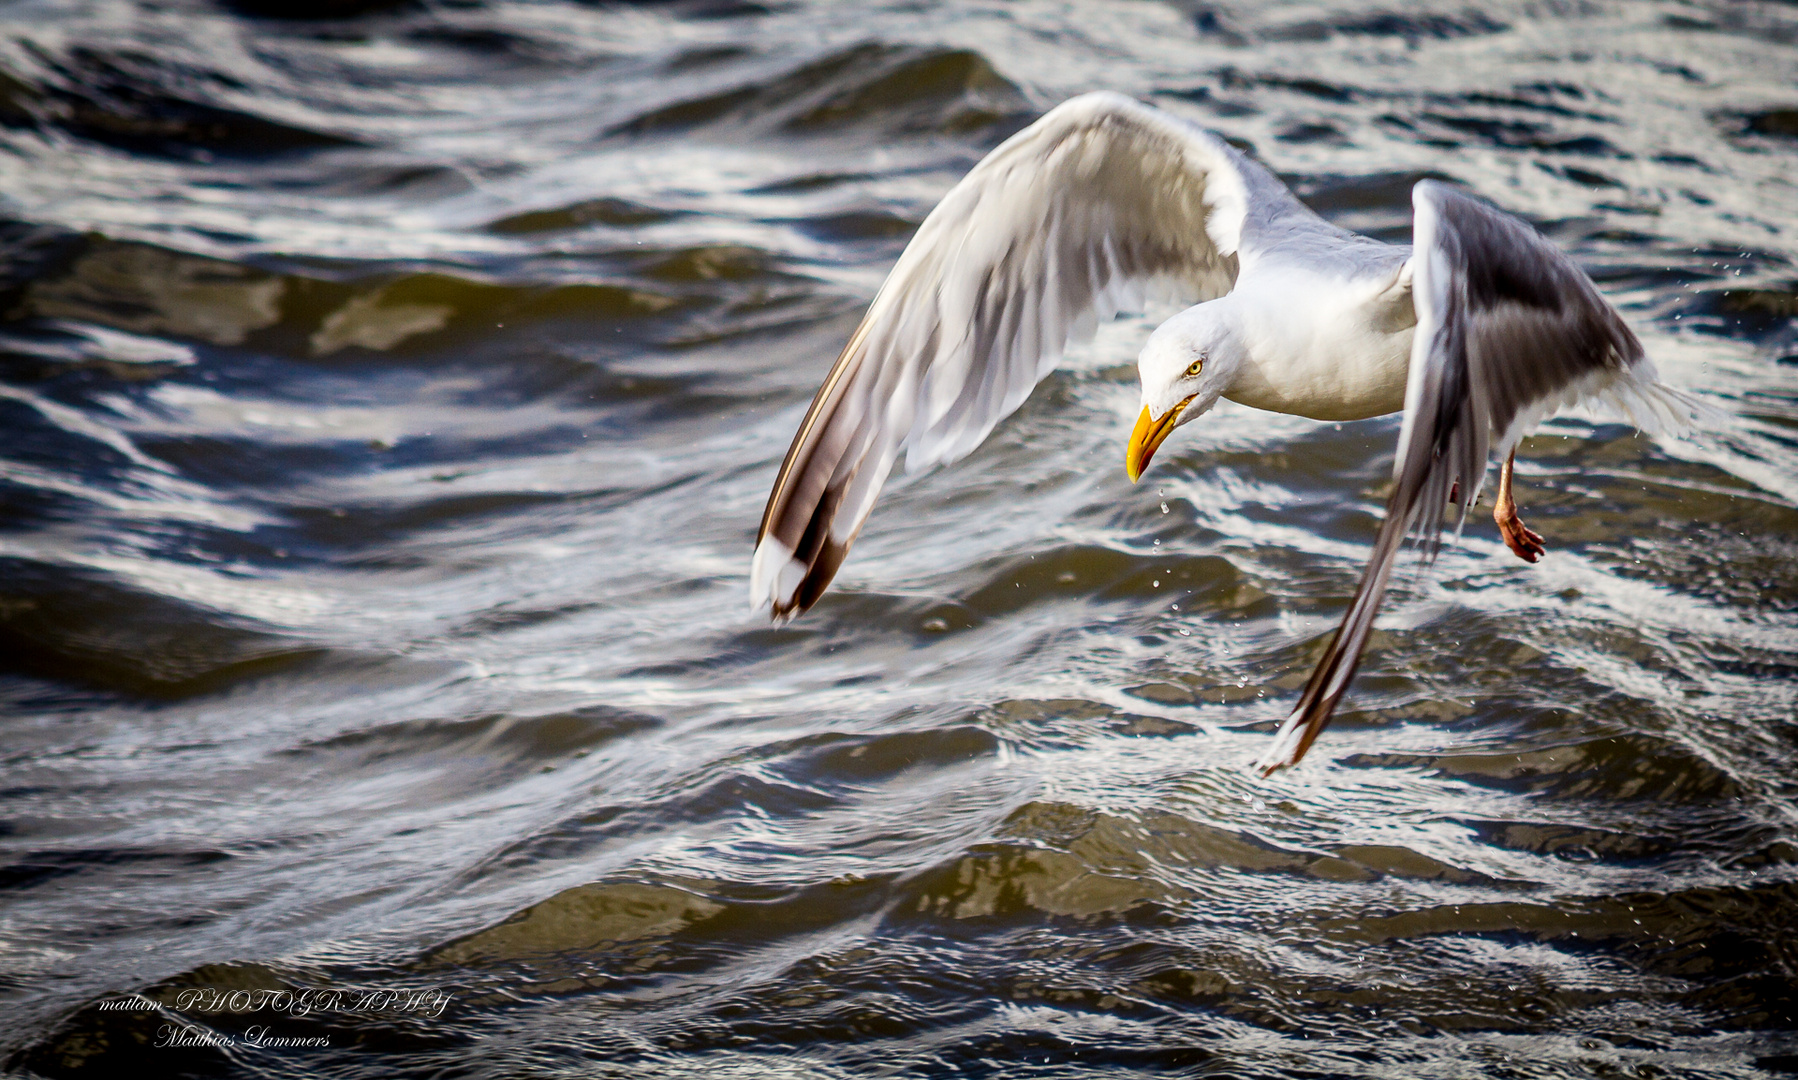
x,y
1508,330
1062,225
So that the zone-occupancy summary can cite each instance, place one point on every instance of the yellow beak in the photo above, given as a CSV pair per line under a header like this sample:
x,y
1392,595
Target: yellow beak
x,y
1149,435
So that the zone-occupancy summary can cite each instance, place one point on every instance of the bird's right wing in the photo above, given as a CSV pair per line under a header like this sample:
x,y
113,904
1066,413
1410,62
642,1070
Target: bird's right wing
x,y
1508,331
1060,226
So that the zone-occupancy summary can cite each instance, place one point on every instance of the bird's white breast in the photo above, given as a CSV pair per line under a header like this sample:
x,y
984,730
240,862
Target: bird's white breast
x,y
1322,347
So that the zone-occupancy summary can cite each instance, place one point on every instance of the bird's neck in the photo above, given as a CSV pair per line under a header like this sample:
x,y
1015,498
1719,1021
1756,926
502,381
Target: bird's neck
x,y
1312,348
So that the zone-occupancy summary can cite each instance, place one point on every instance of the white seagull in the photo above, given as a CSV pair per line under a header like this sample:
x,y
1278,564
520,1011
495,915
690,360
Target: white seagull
x,y
1477,331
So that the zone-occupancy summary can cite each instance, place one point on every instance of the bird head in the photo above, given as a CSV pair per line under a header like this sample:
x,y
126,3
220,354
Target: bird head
x,y
1184,369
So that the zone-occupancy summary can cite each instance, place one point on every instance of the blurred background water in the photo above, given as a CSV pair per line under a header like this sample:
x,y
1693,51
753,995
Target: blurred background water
x,y
390,392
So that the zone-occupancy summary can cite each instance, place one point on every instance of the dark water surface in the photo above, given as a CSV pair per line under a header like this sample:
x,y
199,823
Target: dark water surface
x,y
388,405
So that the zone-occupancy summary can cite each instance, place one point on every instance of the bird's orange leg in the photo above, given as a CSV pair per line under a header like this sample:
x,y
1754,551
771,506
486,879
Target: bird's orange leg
x,y
1522,541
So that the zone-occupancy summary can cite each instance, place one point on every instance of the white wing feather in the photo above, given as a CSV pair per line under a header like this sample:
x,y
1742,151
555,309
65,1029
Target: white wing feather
x,y
1062,225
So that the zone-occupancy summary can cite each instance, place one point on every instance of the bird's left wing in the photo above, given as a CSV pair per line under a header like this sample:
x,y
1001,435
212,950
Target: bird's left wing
x,y
1058,227
1508,331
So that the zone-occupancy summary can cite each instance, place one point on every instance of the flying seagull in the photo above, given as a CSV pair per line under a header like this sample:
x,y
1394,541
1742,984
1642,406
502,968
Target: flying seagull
x,y
1477,331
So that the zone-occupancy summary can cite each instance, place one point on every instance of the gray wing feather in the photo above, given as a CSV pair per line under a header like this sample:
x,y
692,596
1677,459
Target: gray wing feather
x,y
1061,225
1508,330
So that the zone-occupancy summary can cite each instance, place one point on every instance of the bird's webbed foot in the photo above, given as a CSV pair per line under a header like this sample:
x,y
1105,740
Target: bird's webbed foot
x,y
1523,541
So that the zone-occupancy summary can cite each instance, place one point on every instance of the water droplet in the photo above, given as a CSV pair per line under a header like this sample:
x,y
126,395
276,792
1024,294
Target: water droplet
x,y
1155,584
1186,633
1164,508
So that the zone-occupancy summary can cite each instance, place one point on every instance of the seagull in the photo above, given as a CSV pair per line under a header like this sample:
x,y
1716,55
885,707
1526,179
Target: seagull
x,y
1476,331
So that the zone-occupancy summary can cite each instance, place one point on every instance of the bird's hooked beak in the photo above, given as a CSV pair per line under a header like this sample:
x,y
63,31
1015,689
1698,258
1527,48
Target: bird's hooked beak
x,y
1148,436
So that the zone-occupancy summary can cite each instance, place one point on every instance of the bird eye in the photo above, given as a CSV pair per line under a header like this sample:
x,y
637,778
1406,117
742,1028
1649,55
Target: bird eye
x,y
1194,368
